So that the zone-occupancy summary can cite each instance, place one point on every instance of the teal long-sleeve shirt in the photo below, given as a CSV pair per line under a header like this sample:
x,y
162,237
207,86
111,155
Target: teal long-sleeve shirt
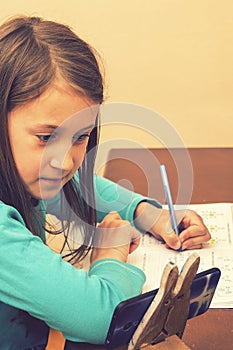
x,y
54,293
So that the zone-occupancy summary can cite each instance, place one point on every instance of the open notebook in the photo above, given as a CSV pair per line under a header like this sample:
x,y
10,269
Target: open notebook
x,y
152,255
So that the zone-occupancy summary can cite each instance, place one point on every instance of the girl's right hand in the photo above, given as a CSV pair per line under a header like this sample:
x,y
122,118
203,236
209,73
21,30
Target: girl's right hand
x,y
115,239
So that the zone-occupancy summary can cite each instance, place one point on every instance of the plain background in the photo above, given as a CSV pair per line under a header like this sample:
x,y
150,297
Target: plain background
x,y
171,56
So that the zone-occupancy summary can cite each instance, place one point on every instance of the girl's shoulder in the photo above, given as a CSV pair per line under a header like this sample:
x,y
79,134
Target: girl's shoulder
x,y
12,226
8,213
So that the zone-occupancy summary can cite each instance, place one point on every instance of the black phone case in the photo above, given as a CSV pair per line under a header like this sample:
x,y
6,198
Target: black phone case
x,y
129,313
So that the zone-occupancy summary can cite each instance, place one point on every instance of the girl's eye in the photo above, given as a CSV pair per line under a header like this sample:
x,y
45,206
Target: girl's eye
x,y
80,138
46,138
77,139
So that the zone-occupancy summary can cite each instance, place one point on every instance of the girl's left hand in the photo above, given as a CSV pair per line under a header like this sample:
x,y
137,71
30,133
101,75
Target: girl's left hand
x,y
194,231
114,238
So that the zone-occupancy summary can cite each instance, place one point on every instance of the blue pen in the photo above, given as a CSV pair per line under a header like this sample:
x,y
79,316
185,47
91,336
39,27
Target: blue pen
x,y
169,200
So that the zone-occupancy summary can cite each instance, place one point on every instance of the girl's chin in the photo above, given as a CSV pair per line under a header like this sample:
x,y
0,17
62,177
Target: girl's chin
x,y
47,189
45,194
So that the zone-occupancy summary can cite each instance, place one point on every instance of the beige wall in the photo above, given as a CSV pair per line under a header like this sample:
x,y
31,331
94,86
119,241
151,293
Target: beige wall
x,y
172,56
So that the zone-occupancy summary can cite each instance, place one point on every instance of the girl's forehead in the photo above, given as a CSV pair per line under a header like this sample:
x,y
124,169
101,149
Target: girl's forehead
x,y
81,120
60,98
58,106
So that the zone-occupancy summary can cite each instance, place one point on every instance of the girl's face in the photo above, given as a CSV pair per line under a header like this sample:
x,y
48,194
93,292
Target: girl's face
x,y
49,137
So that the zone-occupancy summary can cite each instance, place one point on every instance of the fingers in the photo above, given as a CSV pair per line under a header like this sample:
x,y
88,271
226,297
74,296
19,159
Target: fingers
x,y
172,240
115,232
114,238
134,245
195,231
170,237
193,237
110,217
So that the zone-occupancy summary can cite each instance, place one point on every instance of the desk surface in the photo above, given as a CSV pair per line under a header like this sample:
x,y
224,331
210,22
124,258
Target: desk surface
x,y
213,174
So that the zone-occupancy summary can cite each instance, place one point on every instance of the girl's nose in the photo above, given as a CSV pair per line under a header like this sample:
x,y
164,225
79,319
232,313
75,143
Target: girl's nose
x,y
64,163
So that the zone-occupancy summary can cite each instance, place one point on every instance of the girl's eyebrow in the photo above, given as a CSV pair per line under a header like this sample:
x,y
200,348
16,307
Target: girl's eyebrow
x,y
53,127
89,127
43,126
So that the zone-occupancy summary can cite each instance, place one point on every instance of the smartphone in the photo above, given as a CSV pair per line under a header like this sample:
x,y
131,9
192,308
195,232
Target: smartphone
x,y
128,314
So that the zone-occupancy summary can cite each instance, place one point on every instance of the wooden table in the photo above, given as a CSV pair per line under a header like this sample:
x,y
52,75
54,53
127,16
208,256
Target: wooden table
x,y
212,171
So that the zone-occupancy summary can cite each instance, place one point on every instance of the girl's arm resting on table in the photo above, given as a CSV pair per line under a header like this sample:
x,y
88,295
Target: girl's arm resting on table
x,y
78,303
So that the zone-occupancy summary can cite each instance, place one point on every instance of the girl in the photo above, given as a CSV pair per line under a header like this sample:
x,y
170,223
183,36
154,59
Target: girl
x,y
50,91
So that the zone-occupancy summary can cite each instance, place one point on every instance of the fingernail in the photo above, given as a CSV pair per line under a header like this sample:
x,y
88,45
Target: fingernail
x,y
177,246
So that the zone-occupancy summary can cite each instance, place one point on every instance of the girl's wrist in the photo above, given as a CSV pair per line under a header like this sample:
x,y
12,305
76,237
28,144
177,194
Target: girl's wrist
x,y
120,254
148,218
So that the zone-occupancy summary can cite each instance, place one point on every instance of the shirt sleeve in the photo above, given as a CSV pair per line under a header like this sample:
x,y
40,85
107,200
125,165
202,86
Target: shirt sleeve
x,y
78,303
111,196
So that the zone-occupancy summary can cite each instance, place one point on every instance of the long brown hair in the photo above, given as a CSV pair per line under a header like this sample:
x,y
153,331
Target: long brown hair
x,y
32,52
